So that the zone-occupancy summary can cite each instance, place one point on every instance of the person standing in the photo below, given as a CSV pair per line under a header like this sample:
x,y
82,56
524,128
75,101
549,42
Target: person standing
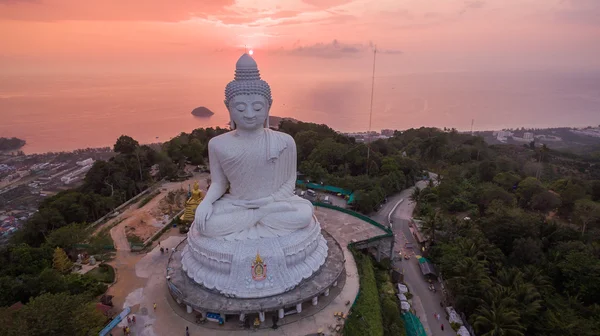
x,y
442,327
154,305
187,331
133,319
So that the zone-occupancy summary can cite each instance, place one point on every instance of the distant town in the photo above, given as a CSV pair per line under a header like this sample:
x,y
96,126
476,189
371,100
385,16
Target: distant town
x,y
25,180
564,138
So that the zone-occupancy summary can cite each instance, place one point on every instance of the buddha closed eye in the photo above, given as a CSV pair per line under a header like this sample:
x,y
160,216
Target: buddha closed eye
x,y
257,106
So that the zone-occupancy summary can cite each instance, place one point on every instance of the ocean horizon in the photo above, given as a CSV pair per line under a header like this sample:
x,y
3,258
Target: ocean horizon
x,y
63,113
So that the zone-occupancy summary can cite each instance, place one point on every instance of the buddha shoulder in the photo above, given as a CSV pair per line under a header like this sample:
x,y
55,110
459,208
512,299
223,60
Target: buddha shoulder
x,y
220,140
286,138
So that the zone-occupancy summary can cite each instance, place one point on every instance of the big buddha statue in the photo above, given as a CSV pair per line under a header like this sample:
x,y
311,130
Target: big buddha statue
x,y
250,208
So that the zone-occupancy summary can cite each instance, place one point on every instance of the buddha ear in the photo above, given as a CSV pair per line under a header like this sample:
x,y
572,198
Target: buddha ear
x,y
267,119
232,125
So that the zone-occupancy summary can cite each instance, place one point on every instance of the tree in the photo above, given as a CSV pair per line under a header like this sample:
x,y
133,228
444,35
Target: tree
x,y
527,189
67,236
61,261
429,225
545,201
486,193
596,190
497,319
415,196
527,251
586,212
61,314
126,145
306,141
507,180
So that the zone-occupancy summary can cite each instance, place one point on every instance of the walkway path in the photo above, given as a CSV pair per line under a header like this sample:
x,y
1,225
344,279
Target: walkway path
x,y
425,302
141,283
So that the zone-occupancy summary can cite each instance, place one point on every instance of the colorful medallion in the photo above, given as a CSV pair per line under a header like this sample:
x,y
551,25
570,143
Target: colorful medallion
x,y
259,269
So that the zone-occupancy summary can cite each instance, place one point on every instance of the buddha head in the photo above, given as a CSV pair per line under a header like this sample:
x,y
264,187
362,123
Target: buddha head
x,y
247,97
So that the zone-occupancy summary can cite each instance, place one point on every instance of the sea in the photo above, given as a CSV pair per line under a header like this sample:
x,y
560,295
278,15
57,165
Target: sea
x,y
67,112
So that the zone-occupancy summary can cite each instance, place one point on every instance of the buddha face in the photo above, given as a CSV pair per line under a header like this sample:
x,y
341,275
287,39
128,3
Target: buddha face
x,y
249,112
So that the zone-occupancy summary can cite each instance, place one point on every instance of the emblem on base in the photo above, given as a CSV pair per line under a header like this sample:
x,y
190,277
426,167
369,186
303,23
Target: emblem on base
x,y
259,269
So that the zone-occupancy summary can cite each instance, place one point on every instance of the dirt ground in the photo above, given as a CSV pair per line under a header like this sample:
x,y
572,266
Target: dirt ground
x,y
145,221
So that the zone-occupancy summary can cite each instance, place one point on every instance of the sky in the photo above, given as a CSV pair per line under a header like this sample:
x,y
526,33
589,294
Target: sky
x,y
299,36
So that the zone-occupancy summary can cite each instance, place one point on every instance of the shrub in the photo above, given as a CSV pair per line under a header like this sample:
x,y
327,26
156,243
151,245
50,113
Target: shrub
x,y
365,319
103,273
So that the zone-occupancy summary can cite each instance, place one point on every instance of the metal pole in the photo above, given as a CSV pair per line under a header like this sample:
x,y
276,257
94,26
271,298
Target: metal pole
x,y
371,111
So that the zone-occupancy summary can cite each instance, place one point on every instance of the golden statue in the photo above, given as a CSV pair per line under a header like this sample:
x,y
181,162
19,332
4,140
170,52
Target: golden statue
x,y
192,204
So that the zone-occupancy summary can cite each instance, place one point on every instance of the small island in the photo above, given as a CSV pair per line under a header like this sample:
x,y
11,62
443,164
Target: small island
x,y
9,144
202,112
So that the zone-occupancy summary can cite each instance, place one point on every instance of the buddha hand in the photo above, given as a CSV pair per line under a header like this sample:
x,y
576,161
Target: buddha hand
x,y
255,204
203,213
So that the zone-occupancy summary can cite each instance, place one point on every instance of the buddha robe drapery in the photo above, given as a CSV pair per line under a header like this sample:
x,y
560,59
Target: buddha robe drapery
x,y
262,168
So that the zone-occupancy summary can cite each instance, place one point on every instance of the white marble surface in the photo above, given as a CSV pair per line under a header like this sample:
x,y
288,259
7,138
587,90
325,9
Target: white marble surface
x,y
250,206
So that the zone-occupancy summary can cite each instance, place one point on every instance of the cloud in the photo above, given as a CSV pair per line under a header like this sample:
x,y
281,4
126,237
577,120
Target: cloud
x,y
586,12
472,4
324,4
109,10
334,49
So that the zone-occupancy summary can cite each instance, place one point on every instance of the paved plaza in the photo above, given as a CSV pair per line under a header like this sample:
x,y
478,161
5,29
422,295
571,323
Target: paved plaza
x,y
141,282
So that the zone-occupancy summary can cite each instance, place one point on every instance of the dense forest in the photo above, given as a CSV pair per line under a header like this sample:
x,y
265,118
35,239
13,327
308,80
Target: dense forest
x,y
515,231
8,144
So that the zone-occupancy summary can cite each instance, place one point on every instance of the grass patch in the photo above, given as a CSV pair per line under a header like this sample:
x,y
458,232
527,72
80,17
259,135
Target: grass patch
x,y
376,311
103,273
148,198
365,319
134,240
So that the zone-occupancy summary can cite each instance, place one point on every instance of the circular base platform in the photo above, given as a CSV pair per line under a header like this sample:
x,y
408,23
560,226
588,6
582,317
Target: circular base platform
x,y
198,298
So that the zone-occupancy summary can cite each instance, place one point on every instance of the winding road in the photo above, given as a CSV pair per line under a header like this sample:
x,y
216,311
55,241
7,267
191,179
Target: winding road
x,y
425,302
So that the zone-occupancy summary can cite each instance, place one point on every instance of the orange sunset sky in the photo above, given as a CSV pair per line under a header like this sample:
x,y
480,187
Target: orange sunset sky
x,y
295,35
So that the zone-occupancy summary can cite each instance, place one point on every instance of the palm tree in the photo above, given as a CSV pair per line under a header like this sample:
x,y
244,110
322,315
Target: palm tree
x,y
415,196
470,284
429,225
497,319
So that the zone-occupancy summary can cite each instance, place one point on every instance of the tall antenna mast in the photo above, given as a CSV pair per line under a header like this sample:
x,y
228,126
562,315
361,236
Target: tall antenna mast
x,y
472,122
371,110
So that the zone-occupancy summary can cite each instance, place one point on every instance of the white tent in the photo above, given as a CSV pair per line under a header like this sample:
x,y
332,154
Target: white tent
x,y
402,297
453,316
462,331
402,288
404,305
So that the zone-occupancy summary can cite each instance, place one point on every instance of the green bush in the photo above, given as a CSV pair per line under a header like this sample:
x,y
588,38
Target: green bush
x,y
365,319
103,273
392,321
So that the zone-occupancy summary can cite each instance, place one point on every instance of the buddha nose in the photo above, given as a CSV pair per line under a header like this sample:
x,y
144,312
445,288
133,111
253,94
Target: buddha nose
x,y
250,113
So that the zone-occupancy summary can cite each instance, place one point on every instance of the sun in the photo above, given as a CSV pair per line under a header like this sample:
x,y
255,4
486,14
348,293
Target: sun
x,y
251,52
